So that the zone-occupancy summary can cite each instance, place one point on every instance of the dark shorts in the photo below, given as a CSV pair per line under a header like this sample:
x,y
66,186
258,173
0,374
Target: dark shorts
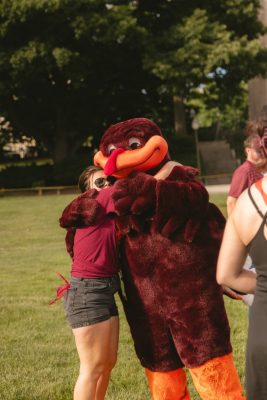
x,y
89,301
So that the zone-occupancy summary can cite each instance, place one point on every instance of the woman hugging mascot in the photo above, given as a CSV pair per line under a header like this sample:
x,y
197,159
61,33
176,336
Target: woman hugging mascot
x,y
170,238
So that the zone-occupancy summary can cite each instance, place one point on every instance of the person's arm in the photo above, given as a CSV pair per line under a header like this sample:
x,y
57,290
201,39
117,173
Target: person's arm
x,y
230,203
232,255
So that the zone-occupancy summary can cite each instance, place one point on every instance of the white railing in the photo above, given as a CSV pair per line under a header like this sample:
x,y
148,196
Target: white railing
x,y
40,190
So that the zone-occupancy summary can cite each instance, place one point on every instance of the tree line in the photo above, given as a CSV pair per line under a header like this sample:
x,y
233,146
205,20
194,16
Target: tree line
x,y
69,69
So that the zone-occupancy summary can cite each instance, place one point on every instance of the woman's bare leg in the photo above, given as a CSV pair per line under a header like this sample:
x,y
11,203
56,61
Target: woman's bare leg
x,y
103,381
93,345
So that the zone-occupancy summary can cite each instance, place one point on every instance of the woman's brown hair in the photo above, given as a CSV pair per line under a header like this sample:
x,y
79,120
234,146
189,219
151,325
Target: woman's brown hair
x,y
84,178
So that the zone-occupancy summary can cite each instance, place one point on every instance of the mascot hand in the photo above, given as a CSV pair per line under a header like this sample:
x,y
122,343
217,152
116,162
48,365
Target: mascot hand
x,y
212,219
135,195
216,222
128,224
182,203
175,224
80,212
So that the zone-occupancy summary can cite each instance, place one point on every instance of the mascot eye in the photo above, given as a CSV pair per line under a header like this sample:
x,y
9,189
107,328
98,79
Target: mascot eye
x,y
134,143
111,148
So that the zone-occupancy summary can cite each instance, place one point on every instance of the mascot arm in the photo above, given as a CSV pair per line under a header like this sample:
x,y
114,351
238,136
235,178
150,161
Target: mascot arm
x,y
69,240
216,222
81,212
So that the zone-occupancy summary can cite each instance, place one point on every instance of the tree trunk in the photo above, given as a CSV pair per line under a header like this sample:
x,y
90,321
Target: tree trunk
x,y
65,144
61,149
179,116
257,87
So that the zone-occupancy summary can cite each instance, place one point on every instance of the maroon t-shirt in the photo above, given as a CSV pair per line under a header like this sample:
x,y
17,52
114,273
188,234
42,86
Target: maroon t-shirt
x,y
243,177
95,247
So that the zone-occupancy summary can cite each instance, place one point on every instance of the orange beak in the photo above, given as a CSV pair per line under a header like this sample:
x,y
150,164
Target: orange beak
x,y
142,159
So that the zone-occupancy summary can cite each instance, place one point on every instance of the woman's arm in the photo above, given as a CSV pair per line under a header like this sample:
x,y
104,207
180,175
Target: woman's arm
x,y
230,203
232,255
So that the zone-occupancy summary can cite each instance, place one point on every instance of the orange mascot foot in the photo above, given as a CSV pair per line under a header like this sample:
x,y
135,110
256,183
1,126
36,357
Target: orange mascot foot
x,y
217,379
169,385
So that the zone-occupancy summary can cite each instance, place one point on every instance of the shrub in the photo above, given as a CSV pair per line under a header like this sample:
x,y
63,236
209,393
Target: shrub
x,y
34,175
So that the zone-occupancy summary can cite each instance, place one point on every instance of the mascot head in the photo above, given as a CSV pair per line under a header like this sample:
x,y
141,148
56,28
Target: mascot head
x,y
133,145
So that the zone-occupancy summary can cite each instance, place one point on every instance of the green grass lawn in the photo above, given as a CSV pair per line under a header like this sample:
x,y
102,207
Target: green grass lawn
x,y
37,354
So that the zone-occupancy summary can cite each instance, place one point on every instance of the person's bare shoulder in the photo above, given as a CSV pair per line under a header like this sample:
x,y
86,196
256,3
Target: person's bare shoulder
x,y
264,183
245,216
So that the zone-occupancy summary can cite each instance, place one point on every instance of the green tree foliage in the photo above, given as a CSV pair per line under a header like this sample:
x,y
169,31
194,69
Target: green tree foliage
x,y
70,68
205,52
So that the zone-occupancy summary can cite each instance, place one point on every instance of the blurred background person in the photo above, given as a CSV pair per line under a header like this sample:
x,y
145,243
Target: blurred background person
x,y
249,171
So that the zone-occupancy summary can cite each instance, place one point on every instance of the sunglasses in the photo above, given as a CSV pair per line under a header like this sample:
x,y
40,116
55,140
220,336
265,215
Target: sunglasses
x,y
101,182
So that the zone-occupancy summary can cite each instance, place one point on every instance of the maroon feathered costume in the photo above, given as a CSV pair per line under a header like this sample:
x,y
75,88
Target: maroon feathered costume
x,y
170,241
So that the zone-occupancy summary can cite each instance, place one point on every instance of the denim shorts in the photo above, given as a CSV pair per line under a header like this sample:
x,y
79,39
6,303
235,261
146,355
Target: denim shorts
x,y
89,301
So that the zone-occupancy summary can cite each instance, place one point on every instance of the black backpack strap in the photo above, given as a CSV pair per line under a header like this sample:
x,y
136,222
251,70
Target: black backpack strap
x,y
263,216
